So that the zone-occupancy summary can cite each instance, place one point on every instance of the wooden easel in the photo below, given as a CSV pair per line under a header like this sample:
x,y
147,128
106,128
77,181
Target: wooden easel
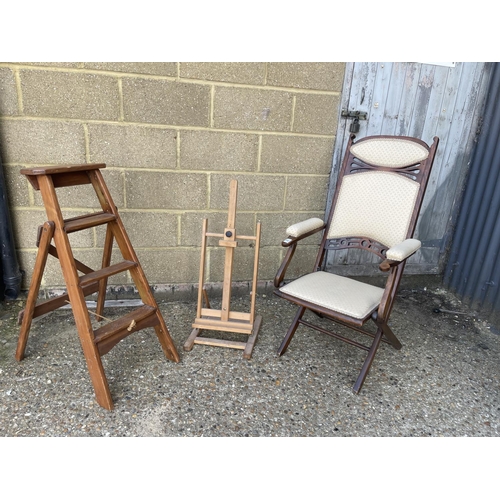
x,y
224,319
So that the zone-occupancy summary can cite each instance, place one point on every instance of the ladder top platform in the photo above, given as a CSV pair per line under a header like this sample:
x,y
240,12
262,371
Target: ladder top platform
x,y
58,170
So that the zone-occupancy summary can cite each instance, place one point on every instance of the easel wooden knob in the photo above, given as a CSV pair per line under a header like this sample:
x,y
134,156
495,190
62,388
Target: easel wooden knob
x,y
225,320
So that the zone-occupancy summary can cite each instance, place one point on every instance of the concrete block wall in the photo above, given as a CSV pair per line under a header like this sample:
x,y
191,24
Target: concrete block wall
x,y
172,136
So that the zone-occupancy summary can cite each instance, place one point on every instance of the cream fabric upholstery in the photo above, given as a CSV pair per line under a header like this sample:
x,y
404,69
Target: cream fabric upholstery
x,y
377,205
389,152
303,227
337,293
403,250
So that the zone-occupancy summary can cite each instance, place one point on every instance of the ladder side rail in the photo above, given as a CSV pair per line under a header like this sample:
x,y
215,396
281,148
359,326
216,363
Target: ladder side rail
x,y
75,293
106,261
128,253
46,234
121,237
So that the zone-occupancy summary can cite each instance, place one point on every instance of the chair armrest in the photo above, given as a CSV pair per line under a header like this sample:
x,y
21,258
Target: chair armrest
x,y
296,232
302,230
403,250
400,252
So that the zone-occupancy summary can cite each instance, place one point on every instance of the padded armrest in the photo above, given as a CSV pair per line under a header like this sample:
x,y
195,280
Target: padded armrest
x,y
403,250
301,230
297,230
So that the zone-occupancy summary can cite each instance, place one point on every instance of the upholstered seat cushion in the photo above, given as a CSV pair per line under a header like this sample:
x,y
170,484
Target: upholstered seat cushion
x,y
338,293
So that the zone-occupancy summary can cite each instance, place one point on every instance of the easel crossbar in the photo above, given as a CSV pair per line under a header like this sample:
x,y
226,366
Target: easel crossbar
x,y
238,237
217,313
234,344
223,326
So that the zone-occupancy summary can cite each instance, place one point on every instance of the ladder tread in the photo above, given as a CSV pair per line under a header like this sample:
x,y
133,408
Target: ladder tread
x,y
105,272
127,324
87,221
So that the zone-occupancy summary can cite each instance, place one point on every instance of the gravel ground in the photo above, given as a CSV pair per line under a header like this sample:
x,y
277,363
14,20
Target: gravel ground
x,y
444,382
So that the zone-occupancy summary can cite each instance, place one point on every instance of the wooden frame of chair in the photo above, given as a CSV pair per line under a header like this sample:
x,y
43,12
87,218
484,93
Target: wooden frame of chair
x,y
224,319
351,165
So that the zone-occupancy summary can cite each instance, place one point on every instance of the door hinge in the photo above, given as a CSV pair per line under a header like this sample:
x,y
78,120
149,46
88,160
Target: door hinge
x,y
360,115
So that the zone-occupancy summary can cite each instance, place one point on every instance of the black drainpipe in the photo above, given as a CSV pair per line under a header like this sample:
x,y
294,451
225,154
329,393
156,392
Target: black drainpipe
x,y
10,274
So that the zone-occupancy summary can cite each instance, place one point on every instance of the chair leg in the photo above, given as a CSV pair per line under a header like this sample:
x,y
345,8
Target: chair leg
x,y
291,331
368,361
390,336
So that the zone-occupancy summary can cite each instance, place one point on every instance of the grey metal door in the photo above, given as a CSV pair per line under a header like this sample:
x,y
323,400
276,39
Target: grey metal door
x,y
421,100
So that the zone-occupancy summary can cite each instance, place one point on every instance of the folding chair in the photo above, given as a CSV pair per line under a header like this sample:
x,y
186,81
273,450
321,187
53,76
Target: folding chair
x,y
375,207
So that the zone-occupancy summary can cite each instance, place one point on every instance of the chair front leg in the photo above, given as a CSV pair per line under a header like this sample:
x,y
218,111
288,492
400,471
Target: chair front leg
x,y
381,316
391,288
291,331
368,361
390,335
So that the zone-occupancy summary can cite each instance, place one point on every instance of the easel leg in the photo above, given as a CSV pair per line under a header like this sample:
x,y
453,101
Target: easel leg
x,y
247,353
205,297
188,345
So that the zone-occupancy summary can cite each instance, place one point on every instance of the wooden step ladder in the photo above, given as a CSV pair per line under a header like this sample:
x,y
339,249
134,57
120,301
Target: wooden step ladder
x,y
95,343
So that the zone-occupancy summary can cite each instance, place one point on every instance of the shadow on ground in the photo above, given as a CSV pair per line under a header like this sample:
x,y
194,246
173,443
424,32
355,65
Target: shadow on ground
x,y
444,382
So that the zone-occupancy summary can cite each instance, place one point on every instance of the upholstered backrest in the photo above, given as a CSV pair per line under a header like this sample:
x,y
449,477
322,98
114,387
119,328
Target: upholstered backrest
x,y
390,152
378,191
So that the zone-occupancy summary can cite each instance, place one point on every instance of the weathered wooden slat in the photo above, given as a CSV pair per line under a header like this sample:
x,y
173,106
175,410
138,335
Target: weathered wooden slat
x,y
458,146
393,99
407,103
422,98
381,90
